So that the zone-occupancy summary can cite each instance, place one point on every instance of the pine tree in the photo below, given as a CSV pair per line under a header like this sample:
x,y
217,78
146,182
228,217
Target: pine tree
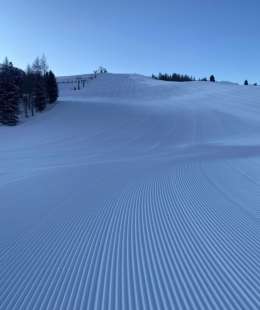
x,y
28,88
40,93
212,79
51,86
9,95
9,102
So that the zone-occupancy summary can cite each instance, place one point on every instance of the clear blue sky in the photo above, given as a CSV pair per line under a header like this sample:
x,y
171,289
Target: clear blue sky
x,y
197,37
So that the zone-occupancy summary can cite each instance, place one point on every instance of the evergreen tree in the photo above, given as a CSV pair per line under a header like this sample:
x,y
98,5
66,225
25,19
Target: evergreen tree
x,y
9,95
51,86
212,78
40,93
28,88
246,82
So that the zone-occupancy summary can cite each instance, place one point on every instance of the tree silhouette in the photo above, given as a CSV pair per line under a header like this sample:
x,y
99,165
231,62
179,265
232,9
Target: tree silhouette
x,y
212,78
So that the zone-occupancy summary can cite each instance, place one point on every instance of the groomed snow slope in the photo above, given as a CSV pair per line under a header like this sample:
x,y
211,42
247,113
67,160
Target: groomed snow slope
x,y
133,194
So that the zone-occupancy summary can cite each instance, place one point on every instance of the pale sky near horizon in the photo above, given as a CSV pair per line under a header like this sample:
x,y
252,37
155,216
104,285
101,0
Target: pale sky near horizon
x,y
189,36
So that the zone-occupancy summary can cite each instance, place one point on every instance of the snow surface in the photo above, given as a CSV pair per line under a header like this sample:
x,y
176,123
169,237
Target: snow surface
x,y
133,194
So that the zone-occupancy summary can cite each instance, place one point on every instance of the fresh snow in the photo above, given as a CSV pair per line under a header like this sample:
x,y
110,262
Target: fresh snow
x,y
133,194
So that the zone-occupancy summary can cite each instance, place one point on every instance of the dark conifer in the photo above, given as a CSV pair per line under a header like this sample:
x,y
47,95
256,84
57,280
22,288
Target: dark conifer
x,y
40,93
9,95
51,87
212,78
28,89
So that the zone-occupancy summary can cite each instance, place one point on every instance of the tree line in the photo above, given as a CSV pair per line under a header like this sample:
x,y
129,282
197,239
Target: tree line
x,y
27,91
177,77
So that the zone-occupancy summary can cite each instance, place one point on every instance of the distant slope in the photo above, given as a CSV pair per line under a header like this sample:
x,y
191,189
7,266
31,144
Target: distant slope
x,y
133,193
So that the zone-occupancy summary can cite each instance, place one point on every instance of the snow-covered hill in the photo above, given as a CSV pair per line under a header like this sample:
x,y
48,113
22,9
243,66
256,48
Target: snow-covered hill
x,y
133,193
